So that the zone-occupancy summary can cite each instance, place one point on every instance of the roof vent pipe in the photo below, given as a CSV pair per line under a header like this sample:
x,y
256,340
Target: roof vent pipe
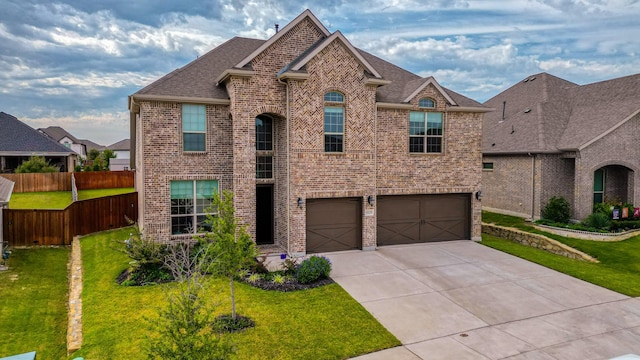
x,y
277,26
504,106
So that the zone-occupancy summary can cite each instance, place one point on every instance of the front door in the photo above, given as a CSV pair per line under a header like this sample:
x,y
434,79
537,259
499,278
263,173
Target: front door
x,y
264,214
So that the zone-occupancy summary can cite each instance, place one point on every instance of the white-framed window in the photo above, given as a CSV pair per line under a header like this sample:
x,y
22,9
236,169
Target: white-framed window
x,y
426,103
194,127
190,200
598,185
425,132
333,122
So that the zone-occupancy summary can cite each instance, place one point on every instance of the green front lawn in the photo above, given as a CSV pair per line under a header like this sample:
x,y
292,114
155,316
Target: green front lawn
x,y
618,270
52,200
321,323
33,297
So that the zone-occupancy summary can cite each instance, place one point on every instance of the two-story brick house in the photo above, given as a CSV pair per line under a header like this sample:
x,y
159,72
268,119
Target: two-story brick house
x,y
326,147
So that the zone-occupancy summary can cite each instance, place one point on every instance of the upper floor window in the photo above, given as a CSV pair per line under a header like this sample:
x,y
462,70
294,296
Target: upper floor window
x,y
426,103
425,132
334,122
264,147
194,127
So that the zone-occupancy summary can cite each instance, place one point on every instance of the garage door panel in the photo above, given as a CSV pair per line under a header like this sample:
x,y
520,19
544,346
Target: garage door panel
x,y
398,232
333,225
423,218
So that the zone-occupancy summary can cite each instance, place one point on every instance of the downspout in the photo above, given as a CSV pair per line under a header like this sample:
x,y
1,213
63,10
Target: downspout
x,y
288,115
533,185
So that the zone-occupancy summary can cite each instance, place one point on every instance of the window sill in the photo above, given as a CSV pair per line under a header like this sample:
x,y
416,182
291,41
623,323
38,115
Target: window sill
x,y
194,152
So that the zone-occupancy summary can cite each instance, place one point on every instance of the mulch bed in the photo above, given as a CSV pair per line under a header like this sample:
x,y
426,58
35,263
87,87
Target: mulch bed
x,y
288,285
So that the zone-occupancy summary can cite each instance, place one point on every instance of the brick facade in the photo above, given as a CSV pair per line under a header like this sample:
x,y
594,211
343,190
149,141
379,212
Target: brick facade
x,y
375,160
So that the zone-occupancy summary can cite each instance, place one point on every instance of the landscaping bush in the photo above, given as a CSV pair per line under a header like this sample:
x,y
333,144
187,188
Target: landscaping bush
x,y
147,261
557,210
620,225
598,220
312,269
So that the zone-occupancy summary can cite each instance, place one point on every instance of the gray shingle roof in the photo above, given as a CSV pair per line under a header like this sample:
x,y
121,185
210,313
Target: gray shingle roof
x,y
57,133
544,113
18,137
197,79
124,144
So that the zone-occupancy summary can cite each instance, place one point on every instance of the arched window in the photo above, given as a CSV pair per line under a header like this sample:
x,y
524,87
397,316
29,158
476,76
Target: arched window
x,y
333,121
426,103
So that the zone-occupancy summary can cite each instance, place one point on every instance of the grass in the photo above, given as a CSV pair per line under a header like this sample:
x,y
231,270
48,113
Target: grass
x,y
53,200
321,323
33,296
618,270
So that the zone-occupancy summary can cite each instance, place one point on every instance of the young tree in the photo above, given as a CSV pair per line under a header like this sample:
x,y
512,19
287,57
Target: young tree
x,y
228,247
36,164
107,155
184,326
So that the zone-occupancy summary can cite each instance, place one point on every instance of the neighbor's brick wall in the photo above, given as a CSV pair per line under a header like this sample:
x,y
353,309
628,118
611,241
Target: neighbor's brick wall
x,y
557,175
456,170
163,159
620,147
509,185
314,173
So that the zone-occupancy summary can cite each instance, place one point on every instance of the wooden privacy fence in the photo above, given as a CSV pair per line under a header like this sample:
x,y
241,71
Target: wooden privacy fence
x,y
62,181
40,182
58,227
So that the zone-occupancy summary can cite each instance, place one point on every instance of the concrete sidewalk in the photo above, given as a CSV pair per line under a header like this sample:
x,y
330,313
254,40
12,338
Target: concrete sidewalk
x,y
462,300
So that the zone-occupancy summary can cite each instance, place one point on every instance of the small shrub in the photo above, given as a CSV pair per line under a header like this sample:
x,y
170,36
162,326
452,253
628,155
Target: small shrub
x,y
598,220
312,269
255,277
289,266
602,208
557,210
147,261
278,278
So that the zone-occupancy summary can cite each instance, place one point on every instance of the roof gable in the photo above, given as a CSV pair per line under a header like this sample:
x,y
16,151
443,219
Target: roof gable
x,y
423,83
299,63
307,14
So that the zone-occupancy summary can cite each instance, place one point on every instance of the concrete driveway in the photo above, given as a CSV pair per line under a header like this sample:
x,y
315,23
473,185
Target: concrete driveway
x,y
462,300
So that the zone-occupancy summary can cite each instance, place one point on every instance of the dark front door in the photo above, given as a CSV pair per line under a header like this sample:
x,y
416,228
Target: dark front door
x,y
334,224
264,214
423,218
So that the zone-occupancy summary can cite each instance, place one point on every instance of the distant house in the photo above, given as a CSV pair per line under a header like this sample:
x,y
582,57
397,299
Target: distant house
x,y
550,137
325,146
62,136
122,151
18,142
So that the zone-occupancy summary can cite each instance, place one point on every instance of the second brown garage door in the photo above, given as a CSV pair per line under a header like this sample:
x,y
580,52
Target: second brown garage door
x,y
411,219
334,224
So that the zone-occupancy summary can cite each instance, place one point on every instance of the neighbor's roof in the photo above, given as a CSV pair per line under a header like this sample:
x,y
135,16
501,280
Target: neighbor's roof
x,y
121,145
6,187
57,133
17,138
544,113
198,79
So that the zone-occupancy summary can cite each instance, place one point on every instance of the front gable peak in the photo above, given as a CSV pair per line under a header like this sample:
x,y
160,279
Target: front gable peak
x,y
423,83
307,14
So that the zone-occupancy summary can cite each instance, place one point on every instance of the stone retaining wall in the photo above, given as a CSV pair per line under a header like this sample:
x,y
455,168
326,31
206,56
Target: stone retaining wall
x,y
586,235
536,241
74,326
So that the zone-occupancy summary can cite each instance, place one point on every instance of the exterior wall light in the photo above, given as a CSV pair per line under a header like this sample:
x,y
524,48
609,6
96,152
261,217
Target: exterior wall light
x,y
300,202
371,200
479,195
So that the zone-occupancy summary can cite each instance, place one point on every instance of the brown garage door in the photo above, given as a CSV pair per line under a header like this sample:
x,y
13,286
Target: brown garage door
x,y
334,224
423,218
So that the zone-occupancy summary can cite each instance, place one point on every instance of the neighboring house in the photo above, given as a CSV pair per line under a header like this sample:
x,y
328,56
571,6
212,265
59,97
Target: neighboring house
x,y
550,137
122,153
326,147
79,146
18,142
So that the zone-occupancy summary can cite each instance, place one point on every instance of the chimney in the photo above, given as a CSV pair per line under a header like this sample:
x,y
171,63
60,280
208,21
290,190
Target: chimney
x,y
277,26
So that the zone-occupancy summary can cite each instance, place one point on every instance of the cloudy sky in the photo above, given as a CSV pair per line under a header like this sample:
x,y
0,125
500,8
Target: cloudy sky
x,y
73,63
